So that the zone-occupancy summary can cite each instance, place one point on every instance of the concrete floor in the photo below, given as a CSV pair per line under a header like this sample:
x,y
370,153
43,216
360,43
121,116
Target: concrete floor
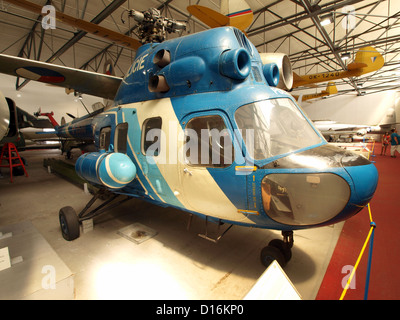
x,y
174,264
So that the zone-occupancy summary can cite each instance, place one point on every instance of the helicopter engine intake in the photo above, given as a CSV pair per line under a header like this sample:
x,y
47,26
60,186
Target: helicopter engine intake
x,y
235,64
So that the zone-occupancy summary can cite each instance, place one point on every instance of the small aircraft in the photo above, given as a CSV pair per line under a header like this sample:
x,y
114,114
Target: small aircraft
x,y
367,60
336,132
198,124
25,130
330,89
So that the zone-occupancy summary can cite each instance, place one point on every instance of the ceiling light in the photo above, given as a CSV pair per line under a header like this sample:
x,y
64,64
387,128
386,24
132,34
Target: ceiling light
x,y
326,19
346,55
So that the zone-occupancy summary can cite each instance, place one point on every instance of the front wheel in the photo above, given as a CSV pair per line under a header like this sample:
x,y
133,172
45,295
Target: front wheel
x,y
283,247
69,223
269,254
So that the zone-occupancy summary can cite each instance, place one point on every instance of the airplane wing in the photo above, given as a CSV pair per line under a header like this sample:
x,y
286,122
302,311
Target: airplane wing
x,y
82,81
90,27
333,127
356,65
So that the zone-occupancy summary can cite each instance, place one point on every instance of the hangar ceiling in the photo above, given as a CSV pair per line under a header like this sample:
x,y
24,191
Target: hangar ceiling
x,y
289,26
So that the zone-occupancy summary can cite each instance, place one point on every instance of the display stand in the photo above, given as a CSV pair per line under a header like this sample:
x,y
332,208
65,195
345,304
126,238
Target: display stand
x,y
273,285
10,154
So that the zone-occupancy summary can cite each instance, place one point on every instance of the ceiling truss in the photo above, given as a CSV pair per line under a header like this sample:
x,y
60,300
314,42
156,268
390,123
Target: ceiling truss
x,y
289,26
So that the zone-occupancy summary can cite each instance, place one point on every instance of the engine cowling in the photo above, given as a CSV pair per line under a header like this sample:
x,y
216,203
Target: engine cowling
x,y
284,65
181,72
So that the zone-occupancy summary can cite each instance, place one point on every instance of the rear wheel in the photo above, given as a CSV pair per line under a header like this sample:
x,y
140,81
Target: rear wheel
x,y
69,223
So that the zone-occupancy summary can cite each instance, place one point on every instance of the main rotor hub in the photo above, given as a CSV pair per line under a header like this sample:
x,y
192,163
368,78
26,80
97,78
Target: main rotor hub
x,y
152,27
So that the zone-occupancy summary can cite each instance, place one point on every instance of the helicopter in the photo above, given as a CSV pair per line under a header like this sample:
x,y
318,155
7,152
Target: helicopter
x,y
198,124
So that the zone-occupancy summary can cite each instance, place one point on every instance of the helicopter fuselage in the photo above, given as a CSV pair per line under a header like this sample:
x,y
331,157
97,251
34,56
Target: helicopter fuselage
x,y
197,126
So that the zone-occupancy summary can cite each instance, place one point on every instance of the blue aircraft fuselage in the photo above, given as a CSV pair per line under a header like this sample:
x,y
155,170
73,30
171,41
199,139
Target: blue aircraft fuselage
x,y
196,125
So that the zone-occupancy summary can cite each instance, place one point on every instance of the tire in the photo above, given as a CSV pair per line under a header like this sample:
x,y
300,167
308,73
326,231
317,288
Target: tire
x,y
269,254
69,223
282,246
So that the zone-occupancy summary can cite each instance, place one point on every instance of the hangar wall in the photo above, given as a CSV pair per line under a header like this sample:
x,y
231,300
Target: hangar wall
x,y
372,109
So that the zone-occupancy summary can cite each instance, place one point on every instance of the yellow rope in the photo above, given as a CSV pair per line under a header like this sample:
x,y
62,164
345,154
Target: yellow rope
x,y
359,257
369,211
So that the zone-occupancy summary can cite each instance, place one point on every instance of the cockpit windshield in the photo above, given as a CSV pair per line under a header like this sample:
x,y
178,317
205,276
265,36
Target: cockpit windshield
x,y
273,127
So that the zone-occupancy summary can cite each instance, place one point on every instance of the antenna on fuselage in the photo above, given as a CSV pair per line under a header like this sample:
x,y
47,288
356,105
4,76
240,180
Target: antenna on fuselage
x,y
152,27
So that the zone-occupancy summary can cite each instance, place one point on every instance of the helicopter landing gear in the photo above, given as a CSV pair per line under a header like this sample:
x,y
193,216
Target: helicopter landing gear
x,y
279,250
70,221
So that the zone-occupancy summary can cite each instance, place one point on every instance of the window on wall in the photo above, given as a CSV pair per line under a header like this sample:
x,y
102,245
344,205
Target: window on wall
x,y
151,136
120,137
208,142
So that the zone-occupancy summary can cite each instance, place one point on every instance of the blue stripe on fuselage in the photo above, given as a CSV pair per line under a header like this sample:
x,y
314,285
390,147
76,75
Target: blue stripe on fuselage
x,y
147,171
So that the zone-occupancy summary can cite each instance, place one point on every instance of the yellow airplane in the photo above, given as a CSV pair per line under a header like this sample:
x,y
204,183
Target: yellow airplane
x,y
233,13
367,60
330,89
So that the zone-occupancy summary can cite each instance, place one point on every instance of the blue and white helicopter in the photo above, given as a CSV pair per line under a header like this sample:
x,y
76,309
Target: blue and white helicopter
x,y
198,124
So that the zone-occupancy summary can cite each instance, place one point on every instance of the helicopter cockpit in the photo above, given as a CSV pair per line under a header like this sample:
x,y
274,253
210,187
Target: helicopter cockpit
x,y
274,127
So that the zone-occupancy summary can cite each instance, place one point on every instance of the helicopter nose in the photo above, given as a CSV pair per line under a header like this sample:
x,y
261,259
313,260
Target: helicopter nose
x,y
365,180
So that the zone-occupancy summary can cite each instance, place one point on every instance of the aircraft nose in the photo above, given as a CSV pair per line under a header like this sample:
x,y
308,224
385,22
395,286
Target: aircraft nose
x,y
365,180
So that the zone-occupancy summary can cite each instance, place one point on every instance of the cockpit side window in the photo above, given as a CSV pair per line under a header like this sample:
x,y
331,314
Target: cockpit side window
x,y
208,142
120,137
104,141
151,136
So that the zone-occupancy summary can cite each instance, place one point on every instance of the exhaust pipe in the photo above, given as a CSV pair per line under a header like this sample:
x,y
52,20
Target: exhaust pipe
x,y
285,68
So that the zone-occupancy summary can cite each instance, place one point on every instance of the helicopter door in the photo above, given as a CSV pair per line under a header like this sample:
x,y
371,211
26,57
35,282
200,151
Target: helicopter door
x,y
208,151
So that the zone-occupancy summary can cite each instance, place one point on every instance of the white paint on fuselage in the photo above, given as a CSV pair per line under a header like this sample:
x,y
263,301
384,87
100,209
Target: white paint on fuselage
x,y
195,189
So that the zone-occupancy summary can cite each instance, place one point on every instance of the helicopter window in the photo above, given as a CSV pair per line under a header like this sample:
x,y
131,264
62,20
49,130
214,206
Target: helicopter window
x,y
151,136
105,134
121,135
273,127
208,142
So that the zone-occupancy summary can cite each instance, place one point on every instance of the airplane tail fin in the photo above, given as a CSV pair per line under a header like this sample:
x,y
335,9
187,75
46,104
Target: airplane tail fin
x,y
239,13
367,59
49,115
235,13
